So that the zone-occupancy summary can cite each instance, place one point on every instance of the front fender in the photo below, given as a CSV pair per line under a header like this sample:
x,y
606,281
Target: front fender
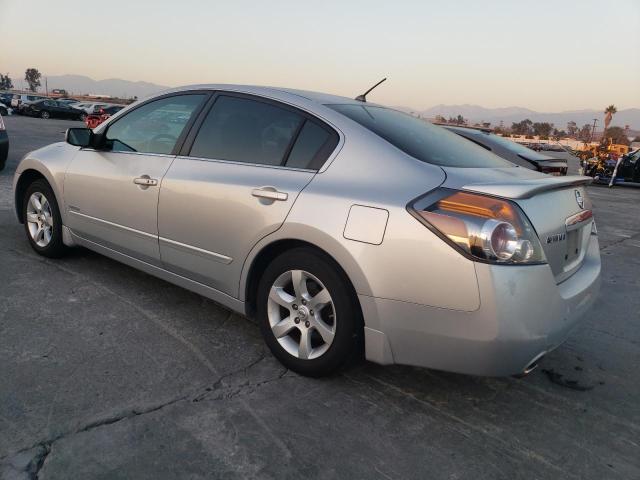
x,y
51,162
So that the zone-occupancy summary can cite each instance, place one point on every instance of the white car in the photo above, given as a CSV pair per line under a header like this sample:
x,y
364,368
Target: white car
x,y
20,99
89,107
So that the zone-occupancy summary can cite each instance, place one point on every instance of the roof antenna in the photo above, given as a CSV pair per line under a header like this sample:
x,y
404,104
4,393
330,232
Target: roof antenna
x,y
363,97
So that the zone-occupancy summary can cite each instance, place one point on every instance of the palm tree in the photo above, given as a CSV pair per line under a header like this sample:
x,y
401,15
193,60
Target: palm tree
x,y
608,115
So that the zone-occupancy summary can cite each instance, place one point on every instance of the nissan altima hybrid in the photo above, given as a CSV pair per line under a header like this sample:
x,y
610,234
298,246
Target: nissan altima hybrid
x,y
340,225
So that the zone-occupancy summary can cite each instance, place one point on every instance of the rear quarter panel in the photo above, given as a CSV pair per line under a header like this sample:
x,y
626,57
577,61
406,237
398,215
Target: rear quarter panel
x,y
411,263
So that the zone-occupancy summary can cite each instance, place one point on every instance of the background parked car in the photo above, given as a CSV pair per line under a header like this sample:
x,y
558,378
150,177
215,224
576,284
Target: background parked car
x,y
53,109
19,99
95,119
630,166
512,151
628,169
4,144
89,107
551,147
67,101
5,98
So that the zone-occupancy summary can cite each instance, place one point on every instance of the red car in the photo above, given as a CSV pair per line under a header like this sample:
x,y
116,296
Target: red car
x,y
95,119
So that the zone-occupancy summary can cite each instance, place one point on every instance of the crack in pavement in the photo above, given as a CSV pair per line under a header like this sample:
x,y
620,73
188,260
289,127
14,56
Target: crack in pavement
x,y
27,464
109,420
171,331
30,460
619,241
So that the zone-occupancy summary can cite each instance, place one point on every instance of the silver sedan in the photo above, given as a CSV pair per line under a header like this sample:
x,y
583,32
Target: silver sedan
x,y
340,225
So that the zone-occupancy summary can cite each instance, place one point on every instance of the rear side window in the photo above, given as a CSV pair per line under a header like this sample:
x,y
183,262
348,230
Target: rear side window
x,y
245,130
313,146
423,141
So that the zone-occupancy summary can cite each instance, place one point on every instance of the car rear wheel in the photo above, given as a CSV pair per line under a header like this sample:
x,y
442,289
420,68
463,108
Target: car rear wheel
x,y
44,114
42,221
307,313
82,117
4,111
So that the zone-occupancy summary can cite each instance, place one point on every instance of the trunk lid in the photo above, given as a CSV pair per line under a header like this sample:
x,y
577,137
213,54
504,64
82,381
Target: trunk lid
x,y
563,220
558,207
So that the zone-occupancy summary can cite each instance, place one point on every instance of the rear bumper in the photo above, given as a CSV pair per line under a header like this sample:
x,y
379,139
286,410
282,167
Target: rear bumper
x,y
523,313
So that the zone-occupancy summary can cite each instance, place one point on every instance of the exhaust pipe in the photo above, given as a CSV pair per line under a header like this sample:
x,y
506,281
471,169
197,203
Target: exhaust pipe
x,y
531,366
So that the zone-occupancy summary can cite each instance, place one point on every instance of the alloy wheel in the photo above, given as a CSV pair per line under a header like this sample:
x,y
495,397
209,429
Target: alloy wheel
x,y
301,314
40,219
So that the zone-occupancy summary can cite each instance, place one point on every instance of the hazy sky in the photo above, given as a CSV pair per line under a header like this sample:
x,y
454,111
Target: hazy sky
x,y
545,55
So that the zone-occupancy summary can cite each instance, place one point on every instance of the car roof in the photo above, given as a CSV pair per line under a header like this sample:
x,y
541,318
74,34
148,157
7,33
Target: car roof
x,y
278,92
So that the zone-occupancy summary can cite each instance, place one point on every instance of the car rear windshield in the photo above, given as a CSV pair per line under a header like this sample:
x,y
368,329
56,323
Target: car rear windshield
x,y
418,138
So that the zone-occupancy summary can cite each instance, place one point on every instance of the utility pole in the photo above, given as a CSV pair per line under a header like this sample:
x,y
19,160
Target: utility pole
x,y
46,86
593,130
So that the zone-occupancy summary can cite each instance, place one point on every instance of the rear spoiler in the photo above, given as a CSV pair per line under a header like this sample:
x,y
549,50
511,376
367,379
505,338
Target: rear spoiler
x,y
528,188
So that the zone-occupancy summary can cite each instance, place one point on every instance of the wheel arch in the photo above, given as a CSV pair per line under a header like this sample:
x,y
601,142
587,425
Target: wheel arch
x,y
262,255
49,163
26,178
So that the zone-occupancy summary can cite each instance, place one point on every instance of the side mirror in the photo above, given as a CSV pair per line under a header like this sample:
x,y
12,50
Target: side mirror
x,y
79,137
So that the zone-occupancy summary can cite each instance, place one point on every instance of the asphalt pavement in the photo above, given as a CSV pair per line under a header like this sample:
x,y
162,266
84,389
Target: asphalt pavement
x,y
109,373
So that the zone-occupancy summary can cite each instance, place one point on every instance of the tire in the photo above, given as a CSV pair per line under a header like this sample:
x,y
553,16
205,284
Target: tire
x,y
4,112
332,332
44,114
48,216
82,117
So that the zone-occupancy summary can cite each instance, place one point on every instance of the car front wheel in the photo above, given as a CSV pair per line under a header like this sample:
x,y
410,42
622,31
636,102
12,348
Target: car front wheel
x,y
44,114
307,313
42,221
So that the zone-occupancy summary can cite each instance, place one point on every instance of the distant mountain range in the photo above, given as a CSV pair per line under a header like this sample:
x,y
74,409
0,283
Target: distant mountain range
x,y
508,115
114,87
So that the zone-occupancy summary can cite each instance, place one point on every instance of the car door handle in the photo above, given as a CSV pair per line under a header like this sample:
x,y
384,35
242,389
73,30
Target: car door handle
x,y
269,193
146,181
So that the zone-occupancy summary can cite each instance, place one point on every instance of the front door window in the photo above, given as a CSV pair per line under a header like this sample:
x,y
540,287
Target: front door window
x,y
154,127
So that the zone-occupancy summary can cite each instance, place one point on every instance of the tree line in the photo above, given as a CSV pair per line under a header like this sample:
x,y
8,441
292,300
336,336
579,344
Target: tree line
x,y
31,75
547,130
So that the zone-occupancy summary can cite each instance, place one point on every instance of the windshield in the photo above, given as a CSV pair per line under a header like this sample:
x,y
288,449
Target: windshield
x,y
418,138
490,138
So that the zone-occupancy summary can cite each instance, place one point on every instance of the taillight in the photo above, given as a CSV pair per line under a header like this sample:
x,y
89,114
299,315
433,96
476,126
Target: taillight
x,y
485,228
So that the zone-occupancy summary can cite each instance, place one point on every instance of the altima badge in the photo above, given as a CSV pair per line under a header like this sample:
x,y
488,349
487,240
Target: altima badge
x,y
558,237
579,199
